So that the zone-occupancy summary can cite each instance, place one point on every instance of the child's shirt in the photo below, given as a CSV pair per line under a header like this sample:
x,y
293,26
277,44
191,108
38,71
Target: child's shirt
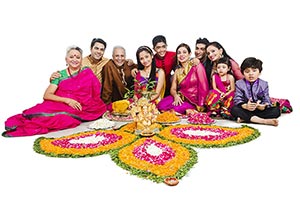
x,y
258,90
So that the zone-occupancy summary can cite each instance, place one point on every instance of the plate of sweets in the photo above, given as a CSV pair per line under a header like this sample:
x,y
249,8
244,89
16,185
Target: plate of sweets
x,y
120,112
200,118
118,118
102,124
168,117
120,108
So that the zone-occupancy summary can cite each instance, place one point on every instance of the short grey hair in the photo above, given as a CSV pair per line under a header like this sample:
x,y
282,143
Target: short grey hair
x,y
118,47
73,47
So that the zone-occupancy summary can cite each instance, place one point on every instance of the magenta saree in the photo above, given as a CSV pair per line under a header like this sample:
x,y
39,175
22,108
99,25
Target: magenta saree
x,y
193,89
47,116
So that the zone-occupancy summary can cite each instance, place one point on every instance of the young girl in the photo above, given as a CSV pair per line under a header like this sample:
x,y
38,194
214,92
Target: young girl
x,y
252,101
220,99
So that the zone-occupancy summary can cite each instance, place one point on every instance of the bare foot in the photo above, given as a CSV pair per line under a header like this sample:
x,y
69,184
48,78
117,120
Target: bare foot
x,y
239,120
273,122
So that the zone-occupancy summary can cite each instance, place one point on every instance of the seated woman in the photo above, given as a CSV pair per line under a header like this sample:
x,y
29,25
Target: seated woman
x,y
189,86
150,81
68,100
215,51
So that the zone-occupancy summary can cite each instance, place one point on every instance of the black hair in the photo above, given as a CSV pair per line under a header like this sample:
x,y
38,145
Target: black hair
x,y
202,41
224,60
98,40
251,62
141,66
157,39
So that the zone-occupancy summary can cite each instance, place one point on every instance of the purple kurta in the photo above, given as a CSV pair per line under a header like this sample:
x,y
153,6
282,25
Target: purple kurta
x,y
258,90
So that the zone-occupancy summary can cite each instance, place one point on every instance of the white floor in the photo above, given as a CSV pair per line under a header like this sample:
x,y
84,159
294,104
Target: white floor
x,y
265,168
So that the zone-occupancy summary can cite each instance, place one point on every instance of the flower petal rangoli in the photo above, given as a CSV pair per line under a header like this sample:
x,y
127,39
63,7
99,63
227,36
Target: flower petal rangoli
x,y
209,135
156,159
88,143
168,155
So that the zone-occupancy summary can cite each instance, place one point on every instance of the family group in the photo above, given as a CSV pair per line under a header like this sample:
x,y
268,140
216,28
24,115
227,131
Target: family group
x,y
210,82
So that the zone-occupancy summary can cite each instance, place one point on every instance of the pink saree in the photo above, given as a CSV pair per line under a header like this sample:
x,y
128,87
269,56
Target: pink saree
x,y
193,89
53,116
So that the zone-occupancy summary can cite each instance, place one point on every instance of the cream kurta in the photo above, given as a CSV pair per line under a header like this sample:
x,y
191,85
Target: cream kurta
x,y
95,66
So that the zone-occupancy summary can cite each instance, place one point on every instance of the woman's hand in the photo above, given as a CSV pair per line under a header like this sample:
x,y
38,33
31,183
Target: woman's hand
x,y
177,100
54,75
74,104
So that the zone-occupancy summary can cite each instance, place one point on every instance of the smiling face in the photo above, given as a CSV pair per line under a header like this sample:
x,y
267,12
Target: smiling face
x,y
74,59
183,54
119,56
251,74
200,51
145,58
97,51
214,53
161,49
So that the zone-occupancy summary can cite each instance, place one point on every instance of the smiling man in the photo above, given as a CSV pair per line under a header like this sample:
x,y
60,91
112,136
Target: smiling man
x,y
116,76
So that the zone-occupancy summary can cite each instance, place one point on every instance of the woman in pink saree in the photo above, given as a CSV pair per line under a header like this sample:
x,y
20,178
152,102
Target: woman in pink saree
x,y
68,100
189,85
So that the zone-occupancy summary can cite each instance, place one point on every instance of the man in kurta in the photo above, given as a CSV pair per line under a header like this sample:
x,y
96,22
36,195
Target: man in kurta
x,y
95,60
116,76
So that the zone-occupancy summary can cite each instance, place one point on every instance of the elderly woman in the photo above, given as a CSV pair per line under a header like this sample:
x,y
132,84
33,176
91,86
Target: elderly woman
x,y
70,99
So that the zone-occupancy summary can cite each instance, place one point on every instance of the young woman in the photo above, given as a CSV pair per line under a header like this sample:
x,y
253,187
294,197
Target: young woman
x,y
149,78
215,51
189,86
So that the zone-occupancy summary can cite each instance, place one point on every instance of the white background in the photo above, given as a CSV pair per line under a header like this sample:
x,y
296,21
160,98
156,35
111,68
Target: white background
x,y
33,39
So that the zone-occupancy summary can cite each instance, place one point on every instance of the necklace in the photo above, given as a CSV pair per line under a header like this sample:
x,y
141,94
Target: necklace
x,y
147,72
71,73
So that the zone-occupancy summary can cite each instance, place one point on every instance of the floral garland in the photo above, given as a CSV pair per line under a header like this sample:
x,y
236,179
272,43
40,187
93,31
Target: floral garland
x,y
89,143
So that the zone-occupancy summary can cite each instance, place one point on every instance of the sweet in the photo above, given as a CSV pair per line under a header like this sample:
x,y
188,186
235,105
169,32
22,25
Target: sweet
x,y
167,117
120,106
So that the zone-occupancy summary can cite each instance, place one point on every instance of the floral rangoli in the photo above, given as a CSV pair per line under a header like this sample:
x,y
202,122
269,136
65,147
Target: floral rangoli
x,y
168,154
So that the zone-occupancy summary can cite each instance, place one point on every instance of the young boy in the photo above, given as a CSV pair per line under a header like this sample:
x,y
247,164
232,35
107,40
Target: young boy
x,y
251,101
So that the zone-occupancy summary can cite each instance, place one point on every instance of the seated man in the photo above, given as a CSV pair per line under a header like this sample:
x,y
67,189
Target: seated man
x,y
116,76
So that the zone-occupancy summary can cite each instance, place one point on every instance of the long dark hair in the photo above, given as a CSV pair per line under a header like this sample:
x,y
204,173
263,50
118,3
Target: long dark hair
x,y
141,66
